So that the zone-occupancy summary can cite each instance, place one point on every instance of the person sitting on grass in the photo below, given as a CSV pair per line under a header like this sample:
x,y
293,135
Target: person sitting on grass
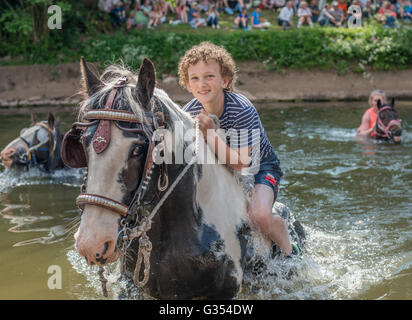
x,y
304,14
156,15
256,21
315,10
242,20
137,18
146,7
181,11
166,7
286,15
117,13
232,6
343,6
367,11
408,14
337,15
194,18
386,15
213,17
208,72
325,17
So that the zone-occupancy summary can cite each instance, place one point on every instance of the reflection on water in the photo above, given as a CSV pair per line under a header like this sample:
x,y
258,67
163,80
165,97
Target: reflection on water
x,y
352,197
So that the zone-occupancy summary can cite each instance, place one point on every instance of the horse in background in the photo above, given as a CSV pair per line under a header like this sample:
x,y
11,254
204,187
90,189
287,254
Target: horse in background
x,y
37,146
388,126
181,229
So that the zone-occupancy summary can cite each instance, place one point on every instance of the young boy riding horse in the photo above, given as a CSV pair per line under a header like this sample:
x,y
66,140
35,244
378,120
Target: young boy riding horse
x,y
208,72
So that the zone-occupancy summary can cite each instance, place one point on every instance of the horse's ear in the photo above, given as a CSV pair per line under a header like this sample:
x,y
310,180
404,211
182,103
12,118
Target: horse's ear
x,y
393,102
90,82
51,120
379,104
33,118
146,83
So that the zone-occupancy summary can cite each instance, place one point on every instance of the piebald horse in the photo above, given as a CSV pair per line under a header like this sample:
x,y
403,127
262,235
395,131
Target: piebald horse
x,y
181,228
37,146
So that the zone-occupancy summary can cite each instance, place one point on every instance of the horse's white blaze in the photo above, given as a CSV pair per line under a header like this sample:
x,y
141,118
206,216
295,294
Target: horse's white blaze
x,y
104,180
98,222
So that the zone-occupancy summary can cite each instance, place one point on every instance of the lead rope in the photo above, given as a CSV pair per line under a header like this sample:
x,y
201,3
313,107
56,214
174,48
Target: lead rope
x,y
103,280
145,245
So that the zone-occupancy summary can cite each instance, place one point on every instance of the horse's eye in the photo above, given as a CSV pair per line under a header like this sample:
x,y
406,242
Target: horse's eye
x,y
138,150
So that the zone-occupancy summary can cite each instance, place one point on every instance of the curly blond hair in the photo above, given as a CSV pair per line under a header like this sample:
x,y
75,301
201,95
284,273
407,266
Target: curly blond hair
x,y
206,52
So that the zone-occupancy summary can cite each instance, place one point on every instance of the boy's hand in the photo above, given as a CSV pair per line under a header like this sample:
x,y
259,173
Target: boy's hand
x,y
205,122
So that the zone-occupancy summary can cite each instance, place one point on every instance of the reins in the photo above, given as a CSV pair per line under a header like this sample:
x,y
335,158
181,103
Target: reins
x,y
140,231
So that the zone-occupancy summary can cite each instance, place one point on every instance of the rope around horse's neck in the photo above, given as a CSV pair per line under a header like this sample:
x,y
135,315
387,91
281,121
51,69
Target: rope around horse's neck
x,y
181,174
145,246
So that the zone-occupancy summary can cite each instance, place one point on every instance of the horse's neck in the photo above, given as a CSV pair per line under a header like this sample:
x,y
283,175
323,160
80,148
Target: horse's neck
x,y
219,195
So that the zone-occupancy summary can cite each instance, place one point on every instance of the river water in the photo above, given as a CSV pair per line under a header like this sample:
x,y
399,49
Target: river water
x,y
353,199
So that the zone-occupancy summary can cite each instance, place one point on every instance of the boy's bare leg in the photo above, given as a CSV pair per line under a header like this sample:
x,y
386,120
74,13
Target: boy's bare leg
x,y
260,211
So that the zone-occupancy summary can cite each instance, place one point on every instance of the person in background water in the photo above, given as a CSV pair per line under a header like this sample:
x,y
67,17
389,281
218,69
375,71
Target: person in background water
x,y
367,126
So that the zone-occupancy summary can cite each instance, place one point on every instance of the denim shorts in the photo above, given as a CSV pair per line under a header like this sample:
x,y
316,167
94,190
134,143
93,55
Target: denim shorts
x,y
269,173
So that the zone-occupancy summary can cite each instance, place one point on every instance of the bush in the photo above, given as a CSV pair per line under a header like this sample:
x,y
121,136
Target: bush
x,y
360,49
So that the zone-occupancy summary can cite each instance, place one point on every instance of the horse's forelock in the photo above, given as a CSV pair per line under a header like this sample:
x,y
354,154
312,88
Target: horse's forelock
x,y
124,100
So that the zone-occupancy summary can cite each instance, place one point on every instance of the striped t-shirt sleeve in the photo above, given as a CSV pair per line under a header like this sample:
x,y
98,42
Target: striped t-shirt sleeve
x,y
193,107
247,127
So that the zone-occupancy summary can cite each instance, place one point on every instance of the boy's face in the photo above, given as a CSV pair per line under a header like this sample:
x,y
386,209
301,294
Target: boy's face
x,y
206,82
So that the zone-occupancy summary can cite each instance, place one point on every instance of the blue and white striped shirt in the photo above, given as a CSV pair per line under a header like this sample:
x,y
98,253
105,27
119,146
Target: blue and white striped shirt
x,y
240,121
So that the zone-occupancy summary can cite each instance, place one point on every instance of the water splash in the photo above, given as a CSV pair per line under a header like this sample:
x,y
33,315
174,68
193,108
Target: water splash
x,y
11,178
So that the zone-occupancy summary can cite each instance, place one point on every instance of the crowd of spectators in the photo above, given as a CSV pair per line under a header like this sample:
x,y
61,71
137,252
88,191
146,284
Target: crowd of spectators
x,y
247,14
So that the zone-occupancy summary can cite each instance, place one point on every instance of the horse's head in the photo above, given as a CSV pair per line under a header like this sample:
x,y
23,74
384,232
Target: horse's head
x,y
388,126
114,142
35,145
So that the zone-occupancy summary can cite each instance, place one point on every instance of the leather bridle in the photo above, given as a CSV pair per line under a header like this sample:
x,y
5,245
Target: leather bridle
x,y
100,141
385,128
31,150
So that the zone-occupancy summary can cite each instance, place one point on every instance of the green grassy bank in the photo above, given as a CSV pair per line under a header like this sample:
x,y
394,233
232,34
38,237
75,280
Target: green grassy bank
x,y
358,50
